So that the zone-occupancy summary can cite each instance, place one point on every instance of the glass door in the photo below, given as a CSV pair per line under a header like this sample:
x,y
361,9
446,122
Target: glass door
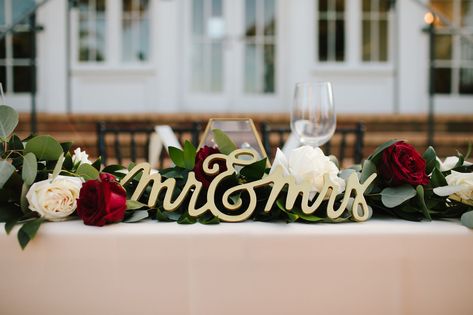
x,y
231,56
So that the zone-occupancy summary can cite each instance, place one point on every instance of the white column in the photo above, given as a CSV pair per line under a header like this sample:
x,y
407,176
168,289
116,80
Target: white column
x,y
51,58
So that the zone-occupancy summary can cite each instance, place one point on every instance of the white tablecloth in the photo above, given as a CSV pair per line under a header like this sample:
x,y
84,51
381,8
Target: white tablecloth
x,y
376,267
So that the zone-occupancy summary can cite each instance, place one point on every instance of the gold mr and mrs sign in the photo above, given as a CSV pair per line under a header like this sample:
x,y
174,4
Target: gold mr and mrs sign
x,y
241,157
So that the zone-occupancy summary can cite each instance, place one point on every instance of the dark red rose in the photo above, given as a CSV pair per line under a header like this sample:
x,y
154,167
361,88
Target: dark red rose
x,y
101,201
202,154
402,164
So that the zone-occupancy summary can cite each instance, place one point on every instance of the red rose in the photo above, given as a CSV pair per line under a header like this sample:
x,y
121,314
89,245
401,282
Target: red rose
x,y
200,175
401,164
101,201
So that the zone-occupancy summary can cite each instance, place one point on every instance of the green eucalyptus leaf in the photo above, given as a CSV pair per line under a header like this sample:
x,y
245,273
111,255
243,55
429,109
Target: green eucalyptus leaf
x,y
10,224
67,164
28,231
224,143
437,179
430,158
6,170
66,146
377,152
15,143
44,147
467,219
209,220
133,205
8,121
423,206
189,155
137,216
23,201
9,212
162,216
254,171
87,171
186,219
97,164
112,169
307,217
394,196
30,168
131,165
58,167
369,168
177,156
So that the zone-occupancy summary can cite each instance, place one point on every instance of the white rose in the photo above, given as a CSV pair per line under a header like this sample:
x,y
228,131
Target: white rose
x,y
463,184
55,200
309,164
80,157
450,162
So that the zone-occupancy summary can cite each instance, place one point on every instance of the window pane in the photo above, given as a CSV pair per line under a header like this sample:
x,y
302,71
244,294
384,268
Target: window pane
x,y
323,37
466,50
383,40
198,79
3,77
127,39
100,6
2,12
21,45
331,31
2,49
251,66
143,52
443,80
250,17
323,5
198,17
366,5
21,79
20,7
217,9
443,47
445,7
100,40
340,5
384,5
217,67
366,48
466,81
269,17
467,13
92,30
269,59
340,40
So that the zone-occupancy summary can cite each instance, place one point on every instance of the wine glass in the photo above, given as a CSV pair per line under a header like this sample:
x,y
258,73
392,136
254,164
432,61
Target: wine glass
x,y
313,117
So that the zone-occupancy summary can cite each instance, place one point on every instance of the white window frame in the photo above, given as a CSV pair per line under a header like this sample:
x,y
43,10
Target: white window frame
x,y
353,41
134,16
9,61
113,63
455,63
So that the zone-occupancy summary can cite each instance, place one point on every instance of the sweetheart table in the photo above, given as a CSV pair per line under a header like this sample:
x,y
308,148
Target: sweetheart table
x,y
382,266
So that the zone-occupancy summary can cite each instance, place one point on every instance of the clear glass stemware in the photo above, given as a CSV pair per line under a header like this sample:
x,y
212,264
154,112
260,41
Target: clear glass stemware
x,y
313,117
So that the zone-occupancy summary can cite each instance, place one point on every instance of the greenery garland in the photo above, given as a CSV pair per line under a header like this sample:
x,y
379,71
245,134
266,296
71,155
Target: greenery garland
x,y
41,180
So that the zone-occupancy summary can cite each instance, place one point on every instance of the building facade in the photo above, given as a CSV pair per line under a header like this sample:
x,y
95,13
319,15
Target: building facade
x,y
217,56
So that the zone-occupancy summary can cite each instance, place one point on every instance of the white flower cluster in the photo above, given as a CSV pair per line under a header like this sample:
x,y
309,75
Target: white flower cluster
x,y
309,164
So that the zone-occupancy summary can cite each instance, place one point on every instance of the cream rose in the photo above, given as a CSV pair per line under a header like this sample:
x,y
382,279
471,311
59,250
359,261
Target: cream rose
x,y
309,164
54,199
450,163
464,186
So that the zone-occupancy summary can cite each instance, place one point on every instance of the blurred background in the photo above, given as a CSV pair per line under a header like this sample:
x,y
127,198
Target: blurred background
x,y
403,68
